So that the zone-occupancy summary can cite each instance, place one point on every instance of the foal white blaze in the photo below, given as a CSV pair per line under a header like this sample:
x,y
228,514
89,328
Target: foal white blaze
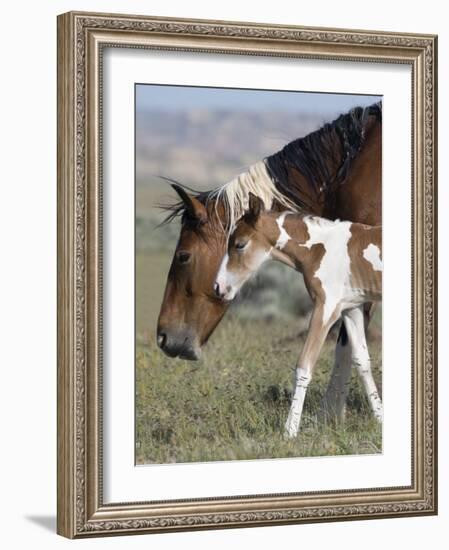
x,y
341,265
230,282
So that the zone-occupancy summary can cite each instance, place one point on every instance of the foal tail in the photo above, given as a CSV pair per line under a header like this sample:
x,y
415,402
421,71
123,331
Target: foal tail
x,y
368,312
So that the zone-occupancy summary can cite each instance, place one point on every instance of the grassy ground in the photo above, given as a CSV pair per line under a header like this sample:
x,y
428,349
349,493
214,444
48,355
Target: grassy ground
x,y
233,403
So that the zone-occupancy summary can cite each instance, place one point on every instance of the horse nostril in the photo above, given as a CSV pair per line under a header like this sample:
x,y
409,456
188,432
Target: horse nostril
x,y
217,290
161,339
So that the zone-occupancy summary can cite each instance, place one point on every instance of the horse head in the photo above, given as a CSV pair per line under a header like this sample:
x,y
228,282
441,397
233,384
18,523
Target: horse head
x,y
308,173
190,309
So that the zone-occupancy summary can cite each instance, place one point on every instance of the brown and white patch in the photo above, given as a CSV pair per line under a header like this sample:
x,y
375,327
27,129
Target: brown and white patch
x,y
372,254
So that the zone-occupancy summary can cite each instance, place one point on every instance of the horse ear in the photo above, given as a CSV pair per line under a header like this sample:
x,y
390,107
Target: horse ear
x,y
194,207
255,208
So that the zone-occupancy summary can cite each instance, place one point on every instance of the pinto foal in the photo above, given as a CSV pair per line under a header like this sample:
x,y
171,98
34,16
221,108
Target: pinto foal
x,y
342,268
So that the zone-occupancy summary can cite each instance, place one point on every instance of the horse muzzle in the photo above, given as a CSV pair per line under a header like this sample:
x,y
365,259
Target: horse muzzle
x,y
178,343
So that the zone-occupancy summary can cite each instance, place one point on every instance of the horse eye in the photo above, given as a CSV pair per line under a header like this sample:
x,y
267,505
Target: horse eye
x,y
183,257
240,245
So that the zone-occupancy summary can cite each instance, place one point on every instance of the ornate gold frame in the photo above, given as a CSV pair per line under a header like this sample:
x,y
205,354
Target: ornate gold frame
x,y
81,37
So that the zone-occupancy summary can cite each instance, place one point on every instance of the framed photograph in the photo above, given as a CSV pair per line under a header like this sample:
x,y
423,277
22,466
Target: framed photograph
x,y
246,274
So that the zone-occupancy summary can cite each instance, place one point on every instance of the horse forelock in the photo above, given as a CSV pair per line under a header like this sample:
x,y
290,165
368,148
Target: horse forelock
x,y
228,203
233,197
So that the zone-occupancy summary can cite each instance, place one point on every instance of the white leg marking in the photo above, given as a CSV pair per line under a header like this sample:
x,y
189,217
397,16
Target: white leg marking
x,y
284,237
354,324
372,255
312,347
302,379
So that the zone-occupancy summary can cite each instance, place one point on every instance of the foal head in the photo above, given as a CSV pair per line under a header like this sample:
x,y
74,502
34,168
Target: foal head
x,y
248,248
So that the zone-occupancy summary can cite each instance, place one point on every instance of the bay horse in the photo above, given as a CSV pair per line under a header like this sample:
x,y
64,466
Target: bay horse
x,y
333,172
342,269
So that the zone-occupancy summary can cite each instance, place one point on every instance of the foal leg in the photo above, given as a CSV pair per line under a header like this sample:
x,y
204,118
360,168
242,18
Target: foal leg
x,y
334,400
314,342
354,324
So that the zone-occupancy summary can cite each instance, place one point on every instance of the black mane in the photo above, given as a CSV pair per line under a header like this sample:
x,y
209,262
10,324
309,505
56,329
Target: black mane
x,y
334,144
313,154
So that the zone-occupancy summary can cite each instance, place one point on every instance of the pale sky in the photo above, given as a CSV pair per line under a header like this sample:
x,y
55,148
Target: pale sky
x,y
182,98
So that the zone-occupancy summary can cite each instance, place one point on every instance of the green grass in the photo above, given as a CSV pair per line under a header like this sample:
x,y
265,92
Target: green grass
x,y
233,403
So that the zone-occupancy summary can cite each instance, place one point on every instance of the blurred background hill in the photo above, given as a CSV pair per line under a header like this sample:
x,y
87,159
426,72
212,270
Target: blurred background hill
x,y
204,148
233,403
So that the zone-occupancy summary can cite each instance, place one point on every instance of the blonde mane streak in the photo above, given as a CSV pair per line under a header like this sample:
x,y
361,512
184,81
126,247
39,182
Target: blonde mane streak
x,y
235,194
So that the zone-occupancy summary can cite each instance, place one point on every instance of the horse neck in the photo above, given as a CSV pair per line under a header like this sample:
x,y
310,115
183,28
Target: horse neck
x,y
292,237
309,170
